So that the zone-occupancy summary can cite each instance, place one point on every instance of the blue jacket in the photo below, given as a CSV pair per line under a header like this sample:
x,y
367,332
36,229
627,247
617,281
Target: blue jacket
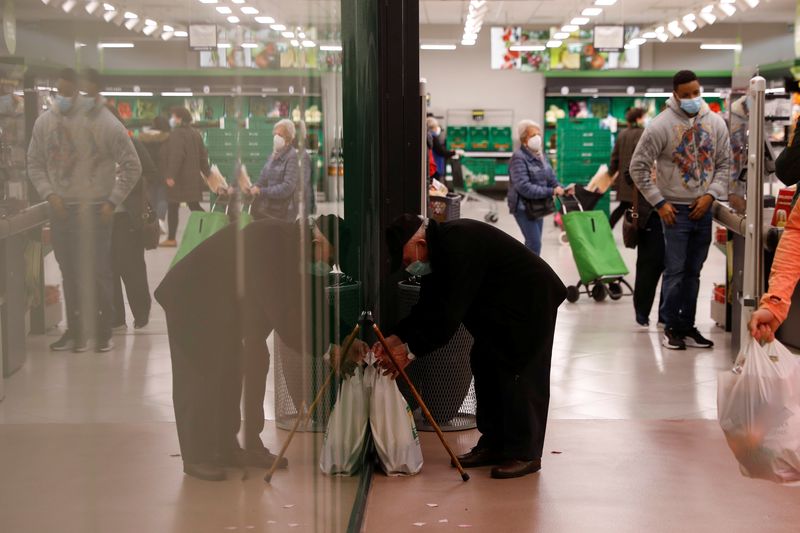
x,y
279,184
530,177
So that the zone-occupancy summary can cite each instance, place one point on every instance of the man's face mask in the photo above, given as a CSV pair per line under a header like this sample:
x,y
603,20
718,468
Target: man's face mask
x,y
64,103
419,268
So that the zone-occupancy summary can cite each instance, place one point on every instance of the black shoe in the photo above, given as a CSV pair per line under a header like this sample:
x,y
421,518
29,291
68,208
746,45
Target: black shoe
x,y
139,324
695,340
204,471
261,458
479,457
103,345
516,468
68,342
673,340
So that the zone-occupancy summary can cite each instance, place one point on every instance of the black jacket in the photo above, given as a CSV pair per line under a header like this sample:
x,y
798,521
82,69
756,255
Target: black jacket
x,y
134,202
490,282
787,165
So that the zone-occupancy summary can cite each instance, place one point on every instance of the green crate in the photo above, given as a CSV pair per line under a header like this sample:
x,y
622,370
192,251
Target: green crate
x,y
457,137
478,172
583,158
578,124
501,168
500,139
479,138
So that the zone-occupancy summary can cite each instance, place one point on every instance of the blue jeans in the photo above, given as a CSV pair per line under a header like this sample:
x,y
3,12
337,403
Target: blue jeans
x,y
82,246
686,246
531,230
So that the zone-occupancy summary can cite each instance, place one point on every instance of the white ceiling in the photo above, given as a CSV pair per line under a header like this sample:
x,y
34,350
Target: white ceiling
x,y
450,12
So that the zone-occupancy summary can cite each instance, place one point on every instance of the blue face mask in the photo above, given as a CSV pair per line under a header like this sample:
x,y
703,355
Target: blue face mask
x,y
419,268
64,103
692,105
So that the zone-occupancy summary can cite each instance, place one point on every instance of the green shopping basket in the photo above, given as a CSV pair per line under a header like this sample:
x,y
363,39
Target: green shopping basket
x,y
478,173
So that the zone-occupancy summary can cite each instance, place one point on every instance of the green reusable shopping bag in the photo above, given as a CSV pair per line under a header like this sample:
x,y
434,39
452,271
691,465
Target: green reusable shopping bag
x,y
200,226
593,246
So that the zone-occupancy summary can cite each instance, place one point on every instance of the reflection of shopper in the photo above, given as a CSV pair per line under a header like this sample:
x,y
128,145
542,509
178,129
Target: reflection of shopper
x,y
155,139
308,192
73,161
691,147
531,178
187,163
621,161
507,297
437,145
276,191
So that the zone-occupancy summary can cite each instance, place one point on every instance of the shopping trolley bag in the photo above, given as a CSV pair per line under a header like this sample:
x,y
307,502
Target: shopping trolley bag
x,y
593,247
200,226
346,435
758,405
393,429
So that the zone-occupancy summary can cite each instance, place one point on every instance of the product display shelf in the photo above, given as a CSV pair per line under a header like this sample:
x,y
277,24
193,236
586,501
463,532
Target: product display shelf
x,y
582,146
483,134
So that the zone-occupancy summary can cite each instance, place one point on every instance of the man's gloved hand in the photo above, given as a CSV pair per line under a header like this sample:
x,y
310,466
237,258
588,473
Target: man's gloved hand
x,y
400,352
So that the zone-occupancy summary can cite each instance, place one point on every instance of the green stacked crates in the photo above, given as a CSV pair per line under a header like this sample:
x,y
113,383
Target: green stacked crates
x,y
478,138
457,137
500,139
222,149
582,147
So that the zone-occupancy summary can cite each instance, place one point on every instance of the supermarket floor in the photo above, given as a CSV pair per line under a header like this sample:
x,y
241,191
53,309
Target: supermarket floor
x,y
87,443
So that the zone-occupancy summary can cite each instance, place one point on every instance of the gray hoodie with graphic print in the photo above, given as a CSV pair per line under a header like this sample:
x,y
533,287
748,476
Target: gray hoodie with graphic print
x,y
692,156
75,155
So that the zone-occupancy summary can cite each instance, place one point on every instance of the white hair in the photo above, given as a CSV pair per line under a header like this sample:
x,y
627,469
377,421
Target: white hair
x,y
431,123
287,125
524,126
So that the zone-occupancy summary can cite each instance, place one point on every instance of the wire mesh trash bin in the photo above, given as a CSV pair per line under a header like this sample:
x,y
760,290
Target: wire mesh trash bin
x,y
298,377
445,208
443,377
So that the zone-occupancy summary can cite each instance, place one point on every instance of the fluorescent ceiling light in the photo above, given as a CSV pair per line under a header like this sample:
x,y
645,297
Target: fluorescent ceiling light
x,y
224,45
752,3
288,34
437,47
80,45
727,1
130,15
68,5
149,30
690,25
638,41
309,44
660,29
674,29
177,93
181,33
650,35
591,11
248,10
265,20
708,17
657,95
528,48
663,37
728,9
295,43
92,6
249,45
560,35
224,10
233,19
469,36
150,22
131,23
711,94
569,28
238,1
115,45
125,93
108,16
708,9
463,43
605,2
579,21
166,36
302,35
208,1
689,16
331,48
167,27
554,44
109,7
736,47
278,27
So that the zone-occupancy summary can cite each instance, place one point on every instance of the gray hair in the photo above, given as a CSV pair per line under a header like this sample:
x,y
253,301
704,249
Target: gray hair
x,y
287,125
431,123
524,126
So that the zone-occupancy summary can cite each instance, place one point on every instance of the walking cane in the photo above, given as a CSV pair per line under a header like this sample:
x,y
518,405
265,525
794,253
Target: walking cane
x,y
305,414
421,403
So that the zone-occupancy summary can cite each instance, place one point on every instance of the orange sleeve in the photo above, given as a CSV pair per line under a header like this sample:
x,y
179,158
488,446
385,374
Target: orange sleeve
x,y
785,269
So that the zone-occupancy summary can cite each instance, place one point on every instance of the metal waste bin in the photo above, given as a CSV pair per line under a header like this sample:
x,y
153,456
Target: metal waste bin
x,y
298,376
442,377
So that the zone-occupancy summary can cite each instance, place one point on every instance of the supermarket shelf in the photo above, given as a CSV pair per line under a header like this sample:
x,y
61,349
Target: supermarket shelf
x,y
501,178
494,155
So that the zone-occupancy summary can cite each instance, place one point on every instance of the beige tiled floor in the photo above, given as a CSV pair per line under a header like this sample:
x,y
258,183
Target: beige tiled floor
x,y
604,367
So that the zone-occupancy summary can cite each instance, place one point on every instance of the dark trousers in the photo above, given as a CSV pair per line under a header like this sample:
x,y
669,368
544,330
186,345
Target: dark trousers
x,y
172,216
513,400
686,246
649,267
206,388
127,253
616,215
82,246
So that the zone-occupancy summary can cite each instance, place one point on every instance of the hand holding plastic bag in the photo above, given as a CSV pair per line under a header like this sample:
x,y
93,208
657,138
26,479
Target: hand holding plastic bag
x,y
759,411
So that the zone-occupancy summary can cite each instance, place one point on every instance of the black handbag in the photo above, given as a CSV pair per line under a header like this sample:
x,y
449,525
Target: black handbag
x,y
630,222
539,207
151,229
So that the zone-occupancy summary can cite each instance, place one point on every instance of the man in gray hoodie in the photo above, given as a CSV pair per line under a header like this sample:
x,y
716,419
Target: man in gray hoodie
x,y
72,161
690,146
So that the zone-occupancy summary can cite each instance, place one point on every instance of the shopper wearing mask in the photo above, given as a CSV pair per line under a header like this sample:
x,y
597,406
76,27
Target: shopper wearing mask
x,y
531,178
507,297
81,160
276,191
621,161
186,164
690,146
437,145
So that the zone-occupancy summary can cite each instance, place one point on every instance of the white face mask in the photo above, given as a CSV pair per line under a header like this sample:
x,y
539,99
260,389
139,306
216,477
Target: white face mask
x,y
278,143
535,144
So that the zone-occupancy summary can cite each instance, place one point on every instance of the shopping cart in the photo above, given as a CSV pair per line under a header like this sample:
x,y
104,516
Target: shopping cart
x,y
600,266
471,173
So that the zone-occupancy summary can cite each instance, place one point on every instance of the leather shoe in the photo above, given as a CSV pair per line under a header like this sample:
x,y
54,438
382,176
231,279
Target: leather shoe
x,y
261,458
516,468
204,471
479,457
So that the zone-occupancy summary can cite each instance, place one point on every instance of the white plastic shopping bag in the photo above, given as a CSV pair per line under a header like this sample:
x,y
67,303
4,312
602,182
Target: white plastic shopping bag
x,y
758,406
393,429
346,435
